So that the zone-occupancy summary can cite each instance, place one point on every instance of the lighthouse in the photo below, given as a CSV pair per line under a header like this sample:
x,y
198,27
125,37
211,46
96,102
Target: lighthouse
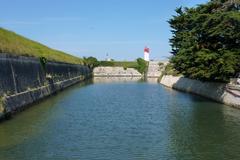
x,y
146,53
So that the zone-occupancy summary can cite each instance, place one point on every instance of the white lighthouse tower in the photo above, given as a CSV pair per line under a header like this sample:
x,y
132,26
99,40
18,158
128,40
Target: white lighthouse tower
x,y
146,53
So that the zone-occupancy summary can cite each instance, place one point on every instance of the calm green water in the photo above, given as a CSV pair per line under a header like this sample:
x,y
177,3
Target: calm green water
x,y
122,121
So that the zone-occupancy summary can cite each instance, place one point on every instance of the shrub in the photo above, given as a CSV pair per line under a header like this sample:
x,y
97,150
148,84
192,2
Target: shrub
x,y
91,62
142,65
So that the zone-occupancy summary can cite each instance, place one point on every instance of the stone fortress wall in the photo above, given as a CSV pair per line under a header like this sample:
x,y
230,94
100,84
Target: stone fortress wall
x,y
24,80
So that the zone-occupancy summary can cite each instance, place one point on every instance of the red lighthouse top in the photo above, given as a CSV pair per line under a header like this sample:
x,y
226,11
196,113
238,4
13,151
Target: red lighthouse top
x,y
146,49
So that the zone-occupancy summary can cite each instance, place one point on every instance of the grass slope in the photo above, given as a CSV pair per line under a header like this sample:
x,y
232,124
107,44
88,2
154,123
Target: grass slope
x,y
125,64
140,64
15,44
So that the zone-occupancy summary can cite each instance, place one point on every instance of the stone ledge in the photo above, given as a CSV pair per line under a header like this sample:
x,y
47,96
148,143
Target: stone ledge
x,y
211,90
115,72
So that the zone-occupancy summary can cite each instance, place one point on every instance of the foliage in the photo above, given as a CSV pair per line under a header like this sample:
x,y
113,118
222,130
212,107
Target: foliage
x,y
2,100
142,65
169,70
139,64
205,42
12,43
124,64
91,62
106,63
160,63
43,62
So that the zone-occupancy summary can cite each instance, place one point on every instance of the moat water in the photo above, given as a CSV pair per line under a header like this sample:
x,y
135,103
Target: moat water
x,y
122,121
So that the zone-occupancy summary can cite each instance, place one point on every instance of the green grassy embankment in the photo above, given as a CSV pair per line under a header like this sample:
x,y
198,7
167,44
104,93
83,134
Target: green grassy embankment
x,y
124,64
139,64
12,43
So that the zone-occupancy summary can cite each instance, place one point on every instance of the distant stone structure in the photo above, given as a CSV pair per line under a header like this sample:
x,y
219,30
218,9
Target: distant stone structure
x,y
155,68
115,72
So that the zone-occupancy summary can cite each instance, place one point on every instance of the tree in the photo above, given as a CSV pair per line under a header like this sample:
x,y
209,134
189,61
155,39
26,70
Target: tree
x,y
91,62
206,40
142,65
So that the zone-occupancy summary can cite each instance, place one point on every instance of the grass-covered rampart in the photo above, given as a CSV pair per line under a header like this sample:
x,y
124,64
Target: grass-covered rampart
x,y
12,43
139,64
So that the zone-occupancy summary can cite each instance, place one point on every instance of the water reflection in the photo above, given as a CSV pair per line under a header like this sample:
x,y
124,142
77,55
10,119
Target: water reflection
x,y
13,132
125,121
152,80
201,129
32,122
116,79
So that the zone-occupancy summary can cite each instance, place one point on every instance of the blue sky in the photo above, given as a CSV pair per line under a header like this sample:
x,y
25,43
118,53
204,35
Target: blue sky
x,y
121,28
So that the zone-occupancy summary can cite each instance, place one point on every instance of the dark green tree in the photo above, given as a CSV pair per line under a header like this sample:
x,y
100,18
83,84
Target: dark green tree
x,y
91,62
206,40
142,65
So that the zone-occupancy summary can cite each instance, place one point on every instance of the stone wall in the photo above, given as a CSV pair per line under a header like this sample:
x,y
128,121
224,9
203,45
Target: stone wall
x,y
155,69
116,79
24,80
115,72
220,92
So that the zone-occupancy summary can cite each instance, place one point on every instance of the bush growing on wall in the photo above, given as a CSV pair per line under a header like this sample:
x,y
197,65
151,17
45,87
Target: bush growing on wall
x,y
107,63
43,62
206,40
142,65
91,62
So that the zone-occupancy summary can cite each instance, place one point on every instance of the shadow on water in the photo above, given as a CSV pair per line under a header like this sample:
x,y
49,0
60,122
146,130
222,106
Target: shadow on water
x,y
117,79
13,132
152,80
203,129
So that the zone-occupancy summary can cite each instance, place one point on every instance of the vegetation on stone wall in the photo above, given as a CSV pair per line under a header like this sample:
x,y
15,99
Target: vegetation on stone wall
x,y
125,64
91,62
142,65
206,40
169,70
13,43
43,62
107,63
139,64
2,99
